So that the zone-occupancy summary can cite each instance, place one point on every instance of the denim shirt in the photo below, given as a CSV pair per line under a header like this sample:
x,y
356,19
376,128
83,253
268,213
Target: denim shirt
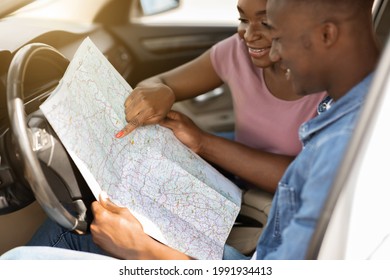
x,y
304,186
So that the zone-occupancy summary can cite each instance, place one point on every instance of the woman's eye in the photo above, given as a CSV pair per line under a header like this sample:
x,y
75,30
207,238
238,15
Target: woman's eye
x,y
243,20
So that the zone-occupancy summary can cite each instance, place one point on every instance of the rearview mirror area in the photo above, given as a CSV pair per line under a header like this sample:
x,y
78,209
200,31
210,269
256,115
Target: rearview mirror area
x,y
151,7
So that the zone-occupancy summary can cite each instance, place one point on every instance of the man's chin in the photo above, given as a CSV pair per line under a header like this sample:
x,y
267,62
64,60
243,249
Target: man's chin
x,y
302,91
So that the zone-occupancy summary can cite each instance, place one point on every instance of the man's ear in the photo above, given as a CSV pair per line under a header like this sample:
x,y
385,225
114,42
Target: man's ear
x,y
330,33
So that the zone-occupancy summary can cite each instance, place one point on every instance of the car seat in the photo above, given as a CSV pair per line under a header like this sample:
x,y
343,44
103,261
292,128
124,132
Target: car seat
x,y
251,220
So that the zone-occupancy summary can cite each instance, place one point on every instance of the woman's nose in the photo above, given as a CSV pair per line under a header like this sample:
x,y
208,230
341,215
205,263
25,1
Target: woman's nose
x,y
252,33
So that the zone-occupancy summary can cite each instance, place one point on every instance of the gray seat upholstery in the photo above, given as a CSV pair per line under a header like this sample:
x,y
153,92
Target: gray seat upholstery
x,y
252,218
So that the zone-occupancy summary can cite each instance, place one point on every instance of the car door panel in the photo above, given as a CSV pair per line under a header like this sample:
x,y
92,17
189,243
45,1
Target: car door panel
x,y
160,48
156,49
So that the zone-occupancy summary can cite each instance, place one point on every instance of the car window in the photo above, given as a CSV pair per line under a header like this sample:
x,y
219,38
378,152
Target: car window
x,y
150,7
196,12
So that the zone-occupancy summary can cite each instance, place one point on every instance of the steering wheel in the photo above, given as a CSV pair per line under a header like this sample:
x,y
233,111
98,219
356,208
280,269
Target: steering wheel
x,y
47,168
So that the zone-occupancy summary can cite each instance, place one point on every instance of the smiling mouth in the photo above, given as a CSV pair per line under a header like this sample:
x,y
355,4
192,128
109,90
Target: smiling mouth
x,y
257,52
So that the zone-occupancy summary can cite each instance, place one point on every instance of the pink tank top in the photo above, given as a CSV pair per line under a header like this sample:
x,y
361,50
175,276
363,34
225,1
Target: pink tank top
x,y
262,121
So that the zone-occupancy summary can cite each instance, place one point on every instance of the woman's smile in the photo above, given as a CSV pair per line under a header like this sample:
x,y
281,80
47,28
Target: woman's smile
x,y
258,52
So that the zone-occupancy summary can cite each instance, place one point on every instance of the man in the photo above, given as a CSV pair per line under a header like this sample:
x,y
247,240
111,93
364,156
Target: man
x,y
325,46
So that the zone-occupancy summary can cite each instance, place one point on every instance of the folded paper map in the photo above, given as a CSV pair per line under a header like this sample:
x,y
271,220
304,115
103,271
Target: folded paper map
x,y
179,198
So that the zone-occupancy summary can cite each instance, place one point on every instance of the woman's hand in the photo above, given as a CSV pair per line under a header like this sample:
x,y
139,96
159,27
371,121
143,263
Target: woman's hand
x,y
184,129
146,105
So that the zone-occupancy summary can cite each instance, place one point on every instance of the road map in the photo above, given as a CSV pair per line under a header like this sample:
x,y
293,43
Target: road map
x,y
179,198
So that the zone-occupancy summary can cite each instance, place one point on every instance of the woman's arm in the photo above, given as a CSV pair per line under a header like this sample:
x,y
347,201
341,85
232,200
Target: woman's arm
x,y
152,98
260,168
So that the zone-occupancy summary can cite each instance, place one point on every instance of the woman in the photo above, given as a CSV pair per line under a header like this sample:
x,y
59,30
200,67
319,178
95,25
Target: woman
x,y
267,110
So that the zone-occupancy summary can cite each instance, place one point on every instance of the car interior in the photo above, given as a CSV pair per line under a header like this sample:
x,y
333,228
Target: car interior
x,y
135,47
139,42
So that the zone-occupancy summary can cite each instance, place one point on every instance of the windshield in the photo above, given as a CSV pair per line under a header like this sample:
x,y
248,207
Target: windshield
x,y
64,10
9,6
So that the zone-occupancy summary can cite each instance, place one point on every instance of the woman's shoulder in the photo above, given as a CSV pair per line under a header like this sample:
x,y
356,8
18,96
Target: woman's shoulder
x,y
230,44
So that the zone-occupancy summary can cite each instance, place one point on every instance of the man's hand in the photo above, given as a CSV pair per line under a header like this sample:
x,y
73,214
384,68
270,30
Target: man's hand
x,y
117,231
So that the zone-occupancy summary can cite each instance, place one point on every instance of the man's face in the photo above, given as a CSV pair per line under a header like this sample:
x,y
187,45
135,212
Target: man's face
x,y
293,45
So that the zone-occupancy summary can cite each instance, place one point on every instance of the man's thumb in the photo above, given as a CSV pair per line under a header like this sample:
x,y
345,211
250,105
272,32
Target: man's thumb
x,y
106,202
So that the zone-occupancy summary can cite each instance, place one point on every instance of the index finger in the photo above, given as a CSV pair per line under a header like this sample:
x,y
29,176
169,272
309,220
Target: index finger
x,y
131,125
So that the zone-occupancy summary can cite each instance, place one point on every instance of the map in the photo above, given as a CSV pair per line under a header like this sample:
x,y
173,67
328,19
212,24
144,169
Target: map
x,y
180,199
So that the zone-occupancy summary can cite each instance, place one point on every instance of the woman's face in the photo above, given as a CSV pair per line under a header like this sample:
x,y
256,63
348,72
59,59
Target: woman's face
x,y
253,29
